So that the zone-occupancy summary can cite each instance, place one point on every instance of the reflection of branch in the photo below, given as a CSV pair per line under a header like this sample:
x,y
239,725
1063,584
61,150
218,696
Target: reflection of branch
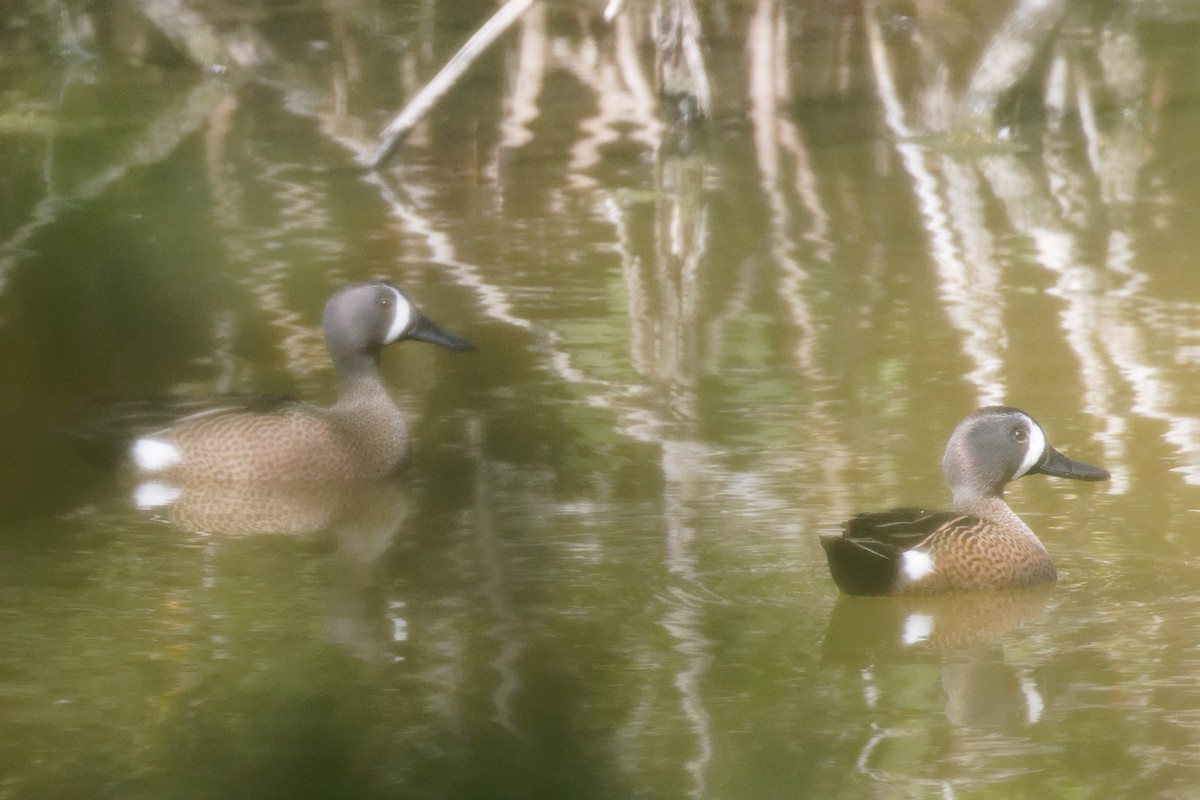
x,y
768,133
973,303
623,98
200,41
493,298
1083,316
158,140
1116,154
1010,54
1154,395
1103,344
1108,341
303,212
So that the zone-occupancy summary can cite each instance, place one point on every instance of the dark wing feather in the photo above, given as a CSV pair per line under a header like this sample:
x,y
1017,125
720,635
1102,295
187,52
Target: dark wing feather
x,y
865,558
899,529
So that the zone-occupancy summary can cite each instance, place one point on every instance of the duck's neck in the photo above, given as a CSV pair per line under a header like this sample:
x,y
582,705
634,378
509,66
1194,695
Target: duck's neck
x,y
366,415
359,383
364,390
353,368
993,509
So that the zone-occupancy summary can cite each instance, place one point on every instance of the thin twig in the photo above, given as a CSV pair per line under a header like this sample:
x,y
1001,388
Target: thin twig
x,y
399,127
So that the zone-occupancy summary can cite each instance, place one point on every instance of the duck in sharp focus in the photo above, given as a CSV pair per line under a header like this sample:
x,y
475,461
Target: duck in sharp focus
x,y
982,543
362,436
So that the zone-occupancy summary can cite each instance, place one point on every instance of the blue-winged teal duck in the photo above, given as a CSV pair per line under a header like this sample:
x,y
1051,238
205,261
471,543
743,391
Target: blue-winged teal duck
x,y
982,543
361,436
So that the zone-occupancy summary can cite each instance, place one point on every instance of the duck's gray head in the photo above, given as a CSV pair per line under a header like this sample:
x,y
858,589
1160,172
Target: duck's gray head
x,y
998,444
363,318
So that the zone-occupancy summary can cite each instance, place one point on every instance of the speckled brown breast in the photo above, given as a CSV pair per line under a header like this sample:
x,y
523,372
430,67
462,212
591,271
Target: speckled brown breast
x,y
293,444
971,554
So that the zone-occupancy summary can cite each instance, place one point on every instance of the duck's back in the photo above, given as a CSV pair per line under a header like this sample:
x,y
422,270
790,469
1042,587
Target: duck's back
x,y
293,443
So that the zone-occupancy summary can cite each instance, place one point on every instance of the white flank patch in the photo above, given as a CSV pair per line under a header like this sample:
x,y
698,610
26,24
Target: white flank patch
x,y
916,565
401,319
153,455
1037,448
155,495
917,628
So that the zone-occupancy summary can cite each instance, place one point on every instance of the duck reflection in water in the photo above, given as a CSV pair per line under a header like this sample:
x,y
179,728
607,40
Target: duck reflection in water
x,y
961,632
362,518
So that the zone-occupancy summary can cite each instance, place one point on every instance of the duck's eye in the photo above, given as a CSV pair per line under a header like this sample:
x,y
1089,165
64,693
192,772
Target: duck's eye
x,y
1021,435
385,302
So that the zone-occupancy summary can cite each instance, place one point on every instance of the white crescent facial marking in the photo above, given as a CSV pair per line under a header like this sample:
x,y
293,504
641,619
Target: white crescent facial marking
x,y
1035,451
153,455
403,315
915,565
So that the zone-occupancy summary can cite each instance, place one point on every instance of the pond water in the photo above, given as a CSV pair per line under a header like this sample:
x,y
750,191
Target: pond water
x,y
599,576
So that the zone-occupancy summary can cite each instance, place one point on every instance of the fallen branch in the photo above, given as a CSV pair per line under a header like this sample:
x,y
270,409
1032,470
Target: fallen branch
x,y
419,106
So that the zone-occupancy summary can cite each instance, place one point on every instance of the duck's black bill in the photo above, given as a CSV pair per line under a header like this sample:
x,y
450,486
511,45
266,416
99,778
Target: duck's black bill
x,y
1059,466
427,331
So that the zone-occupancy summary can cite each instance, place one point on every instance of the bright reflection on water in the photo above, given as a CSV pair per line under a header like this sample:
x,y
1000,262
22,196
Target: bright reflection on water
x,y
599,577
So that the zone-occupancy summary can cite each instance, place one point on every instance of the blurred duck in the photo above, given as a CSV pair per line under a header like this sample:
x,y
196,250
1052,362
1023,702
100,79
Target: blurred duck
x,y
362,436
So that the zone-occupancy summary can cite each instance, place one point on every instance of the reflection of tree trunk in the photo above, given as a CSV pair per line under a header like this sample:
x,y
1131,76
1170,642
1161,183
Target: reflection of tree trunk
x,y
683,468
671,359
505,627
951,211
797,240
1009,57
682,75
669,334
528,75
